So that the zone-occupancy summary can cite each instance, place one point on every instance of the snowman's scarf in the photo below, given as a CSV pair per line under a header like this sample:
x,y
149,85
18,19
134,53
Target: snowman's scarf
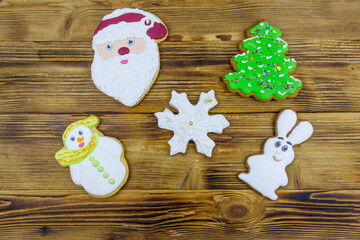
x,y
68,157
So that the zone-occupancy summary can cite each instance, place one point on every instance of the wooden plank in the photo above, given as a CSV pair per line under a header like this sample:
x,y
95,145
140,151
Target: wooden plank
x,y
328,161
76,21
175,52
180,214
50,86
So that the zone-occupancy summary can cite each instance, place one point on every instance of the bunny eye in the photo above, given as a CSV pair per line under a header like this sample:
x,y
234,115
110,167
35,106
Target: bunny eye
x,y
278,144
284,148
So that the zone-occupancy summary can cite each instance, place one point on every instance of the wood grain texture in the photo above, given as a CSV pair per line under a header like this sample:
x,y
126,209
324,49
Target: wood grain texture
x,y
45,84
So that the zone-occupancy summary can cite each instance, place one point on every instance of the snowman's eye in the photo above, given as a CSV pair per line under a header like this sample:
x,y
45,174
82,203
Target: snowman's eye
x,y
131,42
109,47
80,132
72,138
278,144
284,148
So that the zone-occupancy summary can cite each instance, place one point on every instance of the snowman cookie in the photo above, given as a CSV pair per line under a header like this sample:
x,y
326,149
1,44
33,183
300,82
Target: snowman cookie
x,y
267,171
96,162
126,55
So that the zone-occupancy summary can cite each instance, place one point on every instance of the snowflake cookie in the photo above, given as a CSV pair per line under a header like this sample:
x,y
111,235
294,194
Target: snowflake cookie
x,y
192,122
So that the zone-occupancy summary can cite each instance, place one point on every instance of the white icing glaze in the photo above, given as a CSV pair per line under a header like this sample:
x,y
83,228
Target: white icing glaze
x,y
108,152
127,83
192,122
295,79
267,171
241,54
73,141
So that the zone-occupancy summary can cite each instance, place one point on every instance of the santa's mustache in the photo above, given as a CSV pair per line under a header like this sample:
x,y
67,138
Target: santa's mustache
x,y
126,82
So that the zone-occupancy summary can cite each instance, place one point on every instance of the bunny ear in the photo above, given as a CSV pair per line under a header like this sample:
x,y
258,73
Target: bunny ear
x,y
301,133
286,121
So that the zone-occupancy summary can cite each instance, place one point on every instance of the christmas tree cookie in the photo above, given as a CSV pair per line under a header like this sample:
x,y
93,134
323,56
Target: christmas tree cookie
x,y
262,70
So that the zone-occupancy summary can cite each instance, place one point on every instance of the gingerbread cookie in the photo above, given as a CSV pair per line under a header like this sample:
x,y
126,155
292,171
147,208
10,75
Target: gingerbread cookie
x,y
262,70
267,171
192,122
96,162
126,60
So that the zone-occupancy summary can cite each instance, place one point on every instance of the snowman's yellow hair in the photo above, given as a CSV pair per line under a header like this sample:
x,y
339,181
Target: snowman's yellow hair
x,y
88,122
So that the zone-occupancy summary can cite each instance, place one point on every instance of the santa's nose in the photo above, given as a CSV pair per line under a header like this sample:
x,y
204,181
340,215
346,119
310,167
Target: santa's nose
x,y
123,51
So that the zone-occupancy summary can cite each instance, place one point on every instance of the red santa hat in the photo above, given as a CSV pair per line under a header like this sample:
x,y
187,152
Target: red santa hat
x,y
127,22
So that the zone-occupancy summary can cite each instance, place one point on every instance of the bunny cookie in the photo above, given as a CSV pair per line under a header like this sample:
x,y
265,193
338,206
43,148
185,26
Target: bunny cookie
x,y
267,171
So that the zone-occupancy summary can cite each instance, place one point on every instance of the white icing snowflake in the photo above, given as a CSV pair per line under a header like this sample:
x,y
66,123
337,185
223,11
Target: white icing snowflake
x,y
192,122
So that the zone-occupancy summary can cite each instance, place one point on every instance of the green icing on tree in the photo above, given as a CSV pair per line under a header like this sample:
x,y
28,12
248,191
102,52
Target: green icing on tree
x,y
263,69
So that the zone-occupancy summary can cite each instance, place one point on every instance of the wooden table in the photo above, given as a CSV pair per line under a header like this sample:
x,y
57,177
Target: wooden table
x,y
45,84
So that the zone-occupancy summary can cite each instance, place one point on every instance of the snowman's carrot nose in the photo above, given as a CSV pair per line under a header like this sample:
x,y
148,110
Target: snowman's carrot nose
x,y
80,139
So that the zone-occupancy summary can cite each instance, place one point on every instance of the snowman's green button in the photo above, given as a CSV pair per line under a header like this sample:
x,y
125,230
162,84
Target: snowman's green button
x,y
101,168
111,181
105,175
95,163
91,158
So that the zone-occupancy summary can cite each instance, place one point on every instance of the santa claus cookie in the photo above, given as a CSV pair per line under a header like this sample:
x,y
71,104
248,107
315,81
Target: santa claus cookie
x,y
126,60
96,162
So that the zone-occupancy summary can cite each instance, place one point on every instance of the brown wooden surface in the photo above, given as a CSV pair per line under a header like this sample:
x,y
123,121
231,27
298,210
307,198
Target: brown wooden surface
x,y
45,84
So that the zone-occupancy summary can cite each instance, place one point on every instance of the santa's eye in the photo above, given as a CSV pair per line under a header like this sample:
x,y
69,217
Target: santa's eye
x,y
131,42
80,132
284,148
72,138
109,47
278,144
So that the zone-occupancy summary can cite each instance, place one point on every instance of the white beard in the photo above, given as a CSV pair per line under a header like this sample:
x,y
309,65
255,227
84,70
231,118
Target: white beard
x,y
129,82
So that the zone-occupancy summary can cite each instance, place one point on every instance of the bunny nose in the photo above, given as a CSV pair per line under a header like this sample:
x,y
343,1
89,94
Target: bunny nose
x,y
80,139
278,151
123,51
